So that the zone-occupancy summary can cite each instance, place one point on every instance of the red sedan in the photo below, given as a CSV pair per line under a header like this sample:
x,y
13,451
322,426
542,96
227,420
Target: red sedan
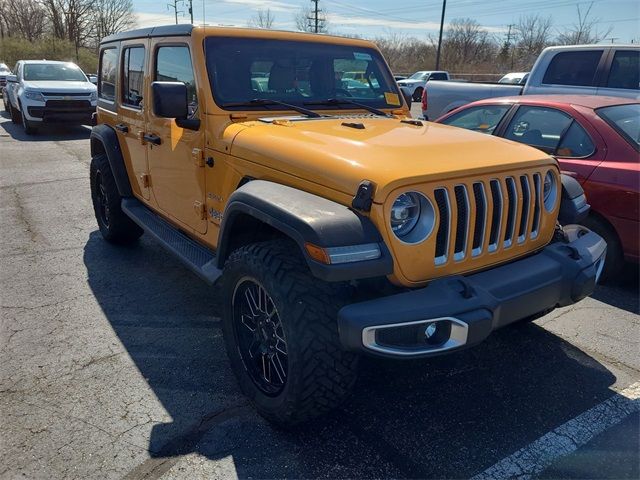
x,y
595,139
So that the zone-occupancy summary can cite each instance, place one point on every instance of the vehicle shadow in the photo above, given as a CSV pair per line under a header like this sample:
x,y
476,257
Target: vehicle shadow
x,y
446,417
624,292
48,133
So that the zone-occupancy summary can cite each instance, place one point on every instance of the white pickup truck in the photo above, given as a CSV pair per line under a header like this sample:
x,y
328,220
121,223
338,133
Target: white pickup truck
x,y
45,91
416,82
581,69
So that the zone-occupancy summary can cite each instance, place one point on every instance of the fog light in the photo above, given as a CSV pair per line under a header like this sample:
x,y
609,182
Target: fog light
x,y
430,331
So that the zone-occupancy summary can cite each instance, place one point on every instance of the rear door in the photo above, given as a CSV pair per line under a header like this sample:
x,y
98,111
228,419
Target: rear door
x,y
621,75
177,163
133,109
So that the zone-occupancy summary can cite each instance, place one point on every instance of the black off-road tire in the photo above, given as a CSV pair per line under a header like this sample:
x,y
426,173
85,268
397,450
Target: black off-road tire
x,y
115,226
417,94
614,260
320,373
16,117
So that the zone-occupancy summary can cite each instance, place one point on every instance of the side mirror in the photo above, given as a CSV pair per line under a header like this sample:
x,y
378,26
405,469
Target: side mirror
x,y
170,101
12,79
407,95
93,79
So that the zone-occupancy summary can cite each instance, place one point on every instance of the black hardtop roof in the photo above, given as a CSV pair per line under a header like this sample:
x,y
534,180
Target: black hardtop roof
x,y
163,31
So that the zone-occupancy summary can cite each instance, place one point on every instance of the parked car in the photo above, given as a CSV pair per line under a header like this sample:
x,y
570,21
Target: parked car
x,y
515,78
4,72
612,70
315,209
43,91
416,82
595,139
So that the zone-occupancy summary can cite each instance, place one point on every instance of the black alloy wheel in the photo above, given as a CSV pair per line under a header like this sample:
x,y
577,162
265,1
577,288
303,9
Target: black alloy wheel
x,y
102,200
260,337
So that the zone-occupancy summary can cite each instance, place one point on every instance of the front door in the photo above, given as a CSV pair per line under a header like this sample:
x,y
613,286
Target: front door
x,y
132,107
176,164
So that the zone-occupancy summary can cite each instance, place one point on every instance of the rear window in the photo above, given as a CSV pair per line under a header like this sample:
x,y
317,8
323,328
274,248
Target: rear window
x,y
625,119
625,70
573,68
107,83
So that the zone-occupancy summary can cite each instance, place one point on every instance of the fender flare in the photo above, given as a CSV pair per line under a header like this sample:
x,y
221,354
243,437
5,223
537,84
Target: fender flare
x,y
105,135
573,202
305,217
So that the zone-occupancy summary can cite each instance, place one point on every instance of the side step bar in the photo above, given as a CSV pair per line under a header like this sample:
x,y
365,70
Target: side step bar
x,y
198,258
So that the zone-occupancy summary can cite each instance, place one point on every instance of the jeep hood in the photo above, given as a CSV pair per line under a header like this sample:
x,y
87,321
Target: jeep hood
x,y
386,151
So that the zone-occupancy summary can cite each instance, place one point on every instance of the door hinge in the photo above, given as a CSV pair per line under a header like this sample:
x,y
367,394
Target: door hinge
x,y
145,180
198,157
201,210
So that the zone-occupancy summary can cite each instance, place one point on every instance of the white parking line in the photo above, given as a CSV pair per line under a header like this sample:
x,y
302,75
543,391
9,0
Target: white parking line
x,y
567,438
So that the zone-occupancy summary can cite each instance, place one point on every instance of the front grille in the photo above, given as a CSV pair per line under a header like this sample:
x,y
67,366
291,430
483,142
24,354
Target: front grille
x,y
66,94
68,105
487,216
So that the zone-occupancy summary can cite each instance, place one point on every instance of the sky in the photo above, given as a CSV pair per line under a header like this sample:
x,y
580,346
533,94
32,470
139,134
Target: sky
x,y
414,18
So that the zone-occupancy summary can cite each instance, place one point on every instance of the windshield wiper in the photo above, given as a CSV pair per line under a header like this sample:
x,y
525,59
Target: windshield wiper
x,y
345,101
266,102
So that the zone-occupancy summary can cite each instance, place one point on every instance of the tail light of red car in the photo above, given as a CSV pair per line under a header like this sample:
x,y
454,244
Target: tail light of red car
x,y
424,99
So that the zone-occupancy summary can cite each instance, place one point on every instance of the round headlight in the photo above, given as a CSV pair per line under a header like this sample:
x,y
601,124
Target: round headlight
x,y
404,213
549,190
412,217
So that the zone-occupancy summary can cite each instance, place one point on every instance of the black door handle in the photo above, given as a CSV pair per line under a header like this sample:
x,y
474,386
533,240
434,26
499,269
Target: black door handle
x,y
121,127
151,138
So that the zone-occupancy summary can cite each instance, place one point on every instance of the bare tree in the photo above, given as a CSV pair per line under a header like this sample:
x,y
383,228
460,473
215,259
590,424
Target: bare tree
x,y
584,31
112,16
22,18
262,19
305,20
532,34
467,44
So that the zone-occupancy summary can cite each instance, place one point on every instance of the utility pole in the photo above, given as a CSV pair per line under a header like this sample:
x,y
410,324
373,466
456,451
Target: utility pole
x,y
191,10
444,7
174,6
315,17
510,50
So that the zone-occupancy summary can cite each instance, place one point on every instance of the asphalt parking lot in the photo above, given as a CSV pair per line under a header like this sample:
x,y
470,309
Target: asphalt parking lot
x,y
112,365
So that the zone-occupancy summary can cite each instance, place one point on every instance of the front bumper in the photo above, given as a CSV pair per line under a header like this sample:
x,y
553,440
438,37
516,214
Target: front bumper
x,y
460,311
77,111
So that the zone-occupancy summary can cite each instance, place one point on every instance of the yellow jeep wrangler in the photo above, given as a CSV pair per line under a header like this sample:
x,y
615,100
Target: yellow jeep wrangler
x,y
336,224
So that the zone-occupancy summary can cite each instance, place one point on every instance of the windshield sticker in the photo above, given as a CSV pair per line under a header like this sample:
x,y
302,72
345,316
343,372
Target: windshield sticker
x,y
392,98
362,56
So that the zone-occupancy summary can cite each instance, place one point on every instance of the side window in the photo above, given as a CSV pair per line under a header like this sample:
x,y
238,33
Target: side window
x,y
173,64
573,68
575,143
133,76
539,127
625,70
438,76
483,119
107,82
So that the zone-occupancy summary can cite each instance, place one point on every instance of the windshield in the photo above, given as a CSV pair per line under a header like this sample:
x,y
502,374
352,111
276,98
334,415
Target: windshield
x,y
66,72
625,119
298,73
417,76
